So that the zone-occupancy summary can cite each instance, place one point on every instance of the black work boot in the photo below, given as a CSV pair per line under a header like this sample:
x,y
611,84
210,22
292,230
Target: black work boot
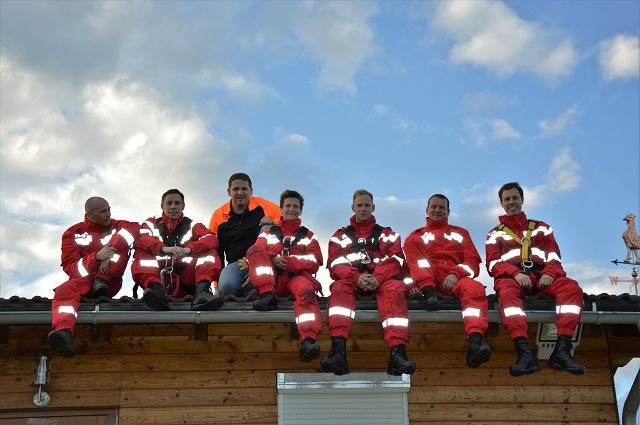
x,y
155,297
204,299
336,361
309,350
431,298
527,362
399,363
478,352
62,342
266,302
562,359
99,288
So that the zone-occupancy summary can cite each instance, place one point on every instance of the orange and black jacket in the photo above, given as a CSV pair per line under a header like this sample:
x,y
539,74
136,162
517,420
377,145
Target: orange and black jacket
x,y
237,232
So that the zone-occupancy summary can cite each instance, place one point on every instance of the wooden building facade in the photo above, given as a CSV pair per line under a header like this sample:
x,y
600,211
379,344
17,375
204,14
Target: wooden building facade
x,y
220,367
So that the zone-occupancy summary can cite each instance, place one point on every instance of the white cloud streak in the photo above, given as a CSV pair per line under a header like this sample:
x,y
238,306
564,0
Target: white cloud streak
x,y
556,126
490,35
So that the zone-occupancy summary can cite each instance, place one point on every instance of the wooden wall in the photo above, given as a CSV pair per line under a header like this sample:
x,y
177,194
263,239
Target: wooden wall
x,y
158,374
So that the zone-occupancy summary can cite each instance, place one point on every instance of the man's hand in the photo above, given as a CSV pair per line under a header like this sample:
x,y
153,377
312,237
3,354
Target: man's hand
x,y
243,264
449,282
363,282
546,280
279,262
172,251
373,283
266,220
106,253
104,267
523,280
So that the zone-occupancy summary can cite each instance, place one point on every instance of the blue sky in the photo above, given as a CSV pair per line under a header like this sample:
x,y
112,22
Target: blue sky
x,y
128,99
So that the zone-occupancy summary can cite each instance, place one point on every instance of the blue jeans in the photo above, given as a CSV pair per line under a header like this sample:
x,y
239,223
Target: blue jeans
x,y
231,280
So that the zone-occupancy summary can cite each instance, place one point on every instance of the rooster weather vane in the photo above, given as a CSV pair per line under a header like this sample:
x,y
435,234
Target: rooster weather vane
x,y
632,241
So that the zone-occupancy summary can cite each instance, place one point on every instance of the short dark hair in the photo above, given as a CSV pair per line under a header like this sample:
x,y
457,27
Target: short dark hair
x,y
172,192
240,176
509,186
291,194
438,195
361,192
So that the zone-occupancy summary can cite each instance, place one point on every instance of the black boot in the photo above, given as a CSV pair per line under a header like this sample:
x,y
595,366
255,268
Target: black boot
x,y
336,361
399,363
479,352
429,293
266,302
527,362
309,350
155,297
562,359
99,288
62,342
204,299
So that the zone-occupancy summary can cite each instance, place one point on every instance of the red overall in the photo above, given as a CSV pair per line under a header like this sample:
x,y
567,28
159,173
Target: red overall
x,y
303,260
440,249
504,263
202,264
80,243
345,267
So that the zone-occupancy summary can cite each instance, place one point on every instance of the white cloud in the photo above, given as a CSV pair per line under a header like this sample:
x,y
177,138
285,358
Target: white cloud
x,y
557,125
482,131
396,120
491,35
503,130
619,57
120,134
338,35
296,139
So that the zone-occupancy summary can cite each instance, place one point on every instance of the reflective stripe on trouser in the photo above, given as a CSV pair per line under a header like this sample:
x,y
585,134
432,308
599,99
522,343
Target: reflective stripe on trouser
x,y
569,298
564,290
192,272
473,300
392,306
66,302
392,303
67,295
261,272
305,307
511,307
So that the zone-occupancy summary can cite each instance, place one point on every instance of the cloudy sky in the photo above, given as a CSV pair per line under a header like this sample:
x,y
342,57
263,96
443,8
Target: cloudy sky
x,y
128,99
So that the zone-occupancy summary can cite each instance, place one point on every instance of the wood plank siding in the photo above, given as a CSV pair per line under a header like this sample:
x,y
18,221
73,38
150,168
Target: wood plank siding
x,y
160,374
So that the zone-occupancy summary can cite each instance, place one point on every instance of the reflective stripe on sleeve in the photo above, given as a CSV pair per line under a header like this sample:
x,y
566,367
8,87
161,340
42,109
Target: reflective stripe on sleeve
x,y
149,263
126,235
467,269
81,270
424,263
207,259
264,270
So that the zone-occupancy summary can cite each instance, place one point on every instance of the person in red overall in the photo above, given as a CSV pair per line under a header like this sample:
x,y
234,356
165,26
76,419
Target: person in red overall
x,y
95,254
282,262
366,257
442,257
176,256
523,257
